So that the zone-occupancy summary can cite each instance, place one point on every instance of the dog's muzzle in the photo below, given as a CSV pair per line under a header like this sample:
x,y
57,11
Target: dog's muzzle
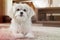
x,y
21,14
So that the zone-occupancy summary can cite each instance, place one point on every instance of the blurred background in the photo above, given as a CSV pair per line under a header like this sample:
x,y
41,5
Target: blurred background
x,y
47,11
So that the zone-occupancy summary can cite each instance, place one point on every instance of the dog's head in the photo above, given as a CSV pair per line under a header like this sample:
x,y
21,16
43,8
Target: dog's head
x,y
21,12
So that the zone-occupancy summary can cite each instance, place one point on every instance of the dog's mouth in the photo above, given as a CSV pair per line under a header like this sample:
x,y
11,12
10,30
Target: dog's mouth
x,y
21,15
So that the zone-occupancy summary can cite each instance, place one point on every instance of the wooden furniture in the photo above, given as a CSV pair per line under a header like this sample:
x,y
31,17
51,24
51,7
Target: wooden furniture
x,y
45,15
6,19
2,9
49,10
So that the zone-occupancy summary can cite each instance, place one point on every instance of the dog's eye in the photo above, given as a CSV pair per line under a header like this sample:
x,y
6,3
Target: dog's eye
x,y
17,9
24,10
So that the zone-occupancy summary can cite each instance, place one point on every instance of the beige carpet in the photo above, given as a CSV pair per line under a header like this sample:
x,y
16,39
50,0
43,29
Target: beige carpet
x,y
40,32
42,36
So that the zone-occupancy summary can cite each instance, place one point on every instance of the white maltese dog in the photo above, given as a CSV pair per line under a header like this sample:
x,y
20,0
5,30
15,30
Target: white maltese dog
x,y
21,20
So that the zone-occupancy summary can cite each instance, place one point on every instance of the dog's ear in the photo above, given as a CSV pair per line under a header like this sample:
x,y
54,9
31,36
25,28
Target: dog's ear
x,y
12,10
31,12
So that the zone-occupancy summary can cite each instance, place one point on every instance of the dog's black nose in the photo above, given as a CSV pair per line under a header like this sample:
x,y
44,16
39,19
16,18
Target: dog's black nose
x,y
21,13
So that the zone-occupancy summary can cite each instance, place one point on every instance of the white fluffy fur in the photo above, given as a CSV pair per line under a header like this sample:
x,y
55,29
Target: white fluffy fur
x,y
21,25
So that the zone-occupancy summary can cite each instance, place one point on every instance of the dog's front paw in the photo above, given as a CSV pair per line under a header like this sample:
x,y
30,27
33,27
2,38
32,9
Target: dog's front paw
x,y
29,35
20,35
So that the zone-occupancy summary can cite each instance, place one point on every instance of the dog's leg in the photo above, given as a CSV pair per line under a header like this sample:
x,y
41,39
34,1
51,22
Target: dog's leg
x,y
18,35
15,33
29,31
29,35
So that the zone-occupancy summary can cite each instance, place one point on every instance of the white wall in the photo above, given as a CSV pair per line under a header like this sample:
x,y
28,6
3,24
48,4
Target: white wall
x,y
44,3
56,3
40,3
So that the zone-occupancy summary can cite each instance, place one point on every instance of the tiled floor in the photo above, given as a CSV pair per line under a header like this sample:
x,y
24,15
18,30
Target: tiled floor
x,y
42,32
